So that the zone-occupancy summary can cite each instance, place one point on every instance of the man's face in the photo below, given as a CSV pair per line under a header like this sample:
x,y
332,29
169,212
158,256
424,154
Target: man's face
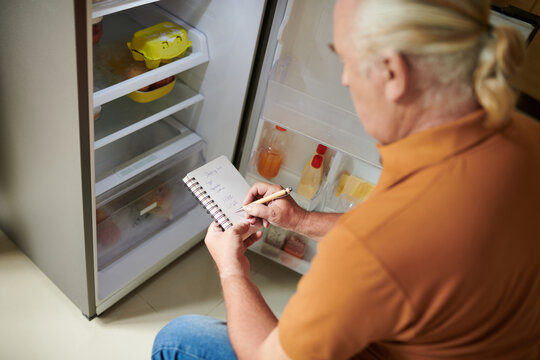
x,y
362,79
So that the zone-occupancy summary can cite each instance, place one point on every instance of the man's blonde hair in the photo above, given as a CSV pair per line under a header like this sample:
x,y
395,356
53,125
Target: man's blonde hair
x,y
451,45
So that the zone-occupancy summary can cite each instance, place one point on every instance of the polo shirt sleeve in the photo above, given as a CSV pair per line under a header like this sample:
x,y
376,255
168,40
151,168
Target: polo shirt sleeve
x,y
345,302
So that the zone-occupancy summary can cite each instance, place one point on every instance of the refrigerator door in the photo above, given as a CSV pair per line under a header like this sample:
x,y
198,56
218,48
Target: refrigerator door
x,y
300,90
300,87
43,174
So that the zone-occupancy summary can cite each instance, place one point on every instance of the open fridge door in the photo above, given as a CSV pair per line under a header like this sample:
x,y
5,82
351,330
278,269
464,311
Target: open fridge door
x,y
303,95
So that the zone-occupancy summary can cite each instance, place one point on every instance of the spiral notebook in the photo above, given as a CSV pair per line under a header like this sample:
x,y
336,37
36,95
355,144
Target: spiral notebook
x,y
221,189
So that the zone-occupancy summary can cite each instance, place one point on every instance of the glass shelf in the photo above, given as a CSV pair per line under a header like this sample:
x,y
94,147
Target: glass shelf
x,y
130,156
106,7
124,116
112,59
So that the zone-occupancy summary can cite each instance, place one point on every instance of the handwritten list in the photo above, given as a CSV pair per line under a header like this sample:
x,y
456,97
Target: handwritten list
x,y
224,184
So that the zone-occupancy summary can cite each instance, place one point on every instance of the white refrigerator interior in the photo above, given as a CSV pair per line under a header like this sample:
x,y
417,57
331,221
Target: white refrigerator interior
x,y
303,94
145,217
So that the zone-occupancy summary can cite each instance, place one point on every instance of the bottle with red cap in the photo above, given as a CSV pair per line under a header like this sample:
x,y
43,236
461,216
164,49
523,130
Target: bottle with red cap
x,y
312,174
271,155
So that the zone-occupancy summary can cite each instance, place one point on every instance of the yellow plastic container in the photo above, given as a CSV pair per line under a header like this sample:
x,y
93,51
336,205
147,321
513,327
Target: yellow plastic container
x,y
157,43
147,96
353,186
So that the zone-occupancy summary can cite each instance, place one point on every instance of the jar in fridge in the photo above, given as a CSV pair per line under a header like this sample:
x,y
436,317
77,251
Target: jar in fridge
x,y
272,153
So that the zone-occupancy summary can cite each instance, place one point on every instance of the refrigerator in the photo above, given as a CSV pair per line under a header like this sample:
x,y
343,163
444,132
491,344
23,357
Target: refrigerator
x,y
91,180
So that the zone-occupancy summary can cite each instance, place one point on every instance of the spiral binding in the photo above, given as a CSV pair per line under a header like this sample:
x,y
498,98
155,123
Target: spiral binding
x,y
211,207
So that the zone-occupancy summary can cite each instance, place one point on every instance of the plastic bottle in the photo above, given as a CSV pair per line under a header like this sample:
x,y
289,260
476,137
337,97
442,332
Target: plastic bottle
x,y
311,177
321,149
272,154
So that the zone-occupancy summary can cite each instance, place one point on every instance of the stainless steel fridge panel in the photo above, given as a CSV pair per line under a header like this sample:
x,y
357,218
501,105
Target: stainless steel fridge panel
x,y
44,165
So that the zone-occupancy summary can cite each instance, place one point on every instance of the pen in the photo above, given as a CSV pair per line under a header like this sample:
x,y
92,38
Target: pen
x,y
274,196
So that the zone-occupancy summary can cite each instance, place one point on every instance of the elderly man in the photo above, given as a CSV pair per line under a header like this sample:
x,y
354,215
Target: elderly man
x,y
442,261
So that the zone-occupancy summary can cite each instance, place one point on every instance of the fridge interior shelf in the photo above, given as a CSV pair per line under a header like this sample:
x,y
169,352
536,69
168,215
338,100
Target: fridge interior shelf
x,y
131,155
319,120
106,7
113,64
124,116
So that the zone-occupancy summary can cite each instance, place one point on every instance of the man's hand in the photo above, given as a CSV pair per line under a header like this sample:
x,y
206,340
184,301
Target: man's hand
x,y
284,212
227,248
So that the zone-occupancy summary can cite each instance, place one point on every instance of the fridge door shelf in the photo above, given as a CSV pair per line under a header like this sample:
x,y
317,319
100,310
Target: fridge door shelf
x,y
346,165
127,218
113,60
299,151
107,7
129,157
325,200
123,116
278,255
323,122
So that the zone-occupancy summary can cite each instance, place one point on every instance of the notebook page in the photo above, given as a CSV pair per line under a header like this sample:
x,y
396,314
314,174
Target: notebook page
x,y
225,185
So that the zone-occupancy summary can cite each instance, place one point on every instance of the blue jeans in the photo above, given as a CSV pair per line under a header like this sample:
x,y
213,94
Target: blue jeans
x,y
193,337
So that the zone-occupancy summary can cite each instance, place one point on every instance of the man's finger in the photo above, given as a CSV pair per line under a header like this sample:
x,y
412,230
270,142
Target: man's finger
x,y
259,190
253,238
259,210
214,227
240,229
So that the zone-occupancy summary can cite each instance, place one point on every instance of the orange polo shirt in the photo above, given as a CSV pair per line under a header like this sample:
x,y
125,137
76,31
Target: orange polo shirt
x,y
441,262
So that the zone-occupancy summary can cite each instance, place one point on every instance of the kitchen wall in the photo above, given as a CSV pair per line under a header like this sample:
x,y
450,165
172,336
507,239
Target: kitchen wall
x,y
529,80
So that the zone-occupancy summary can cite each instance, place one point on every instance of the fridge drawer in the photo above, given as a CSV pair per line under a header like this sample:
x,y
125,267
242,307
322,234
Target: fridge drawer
x,y
129,214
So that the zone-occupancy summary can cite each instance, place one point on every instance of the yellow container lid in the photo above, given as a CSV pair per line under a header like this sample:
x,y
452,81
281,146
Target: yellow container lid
x,y
163,41
147,96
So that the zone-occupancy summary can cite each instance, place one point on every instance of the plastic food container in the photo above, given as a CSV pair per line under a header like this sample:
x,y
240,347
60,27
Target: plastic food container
x,y
147,96
97,30
157,43
295,245
353,186
97,112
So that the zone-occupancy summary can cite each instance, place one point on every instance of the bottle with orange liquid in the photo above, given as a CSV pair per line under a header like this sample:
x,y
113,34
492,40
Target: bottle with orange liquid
x,y
271,155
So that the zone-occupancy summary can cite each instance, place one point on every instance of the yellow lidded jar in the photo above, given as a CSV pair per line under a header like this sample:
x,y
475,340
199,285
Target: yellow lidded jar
x,y
151,95
157,43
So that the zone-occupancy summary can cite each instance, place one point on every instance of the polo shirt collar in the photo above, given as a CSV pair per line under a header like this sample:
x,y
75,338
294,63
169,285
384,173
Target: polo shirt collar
x,y
409,155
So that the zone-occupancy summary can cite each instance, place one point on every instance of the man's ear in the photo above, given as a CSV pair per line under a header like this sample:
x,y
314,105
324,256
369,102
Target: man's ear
x,y
396,76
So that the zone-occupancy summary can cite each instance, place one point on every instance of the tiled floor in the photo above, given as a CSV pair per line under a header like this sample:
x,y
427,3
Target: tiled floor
x,y
39,321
